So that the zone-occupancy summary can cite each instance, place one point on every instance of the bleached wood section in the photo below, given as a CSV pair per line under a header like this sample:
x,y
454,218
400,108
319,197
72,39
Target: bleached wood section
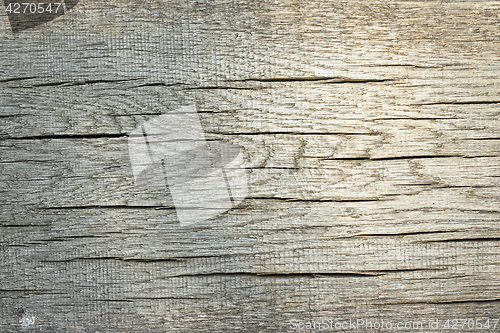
x,y
371,136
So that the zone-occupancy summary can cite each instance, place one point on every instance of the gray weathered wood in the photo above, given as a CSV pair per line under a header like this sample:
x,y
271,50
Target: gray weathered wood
x,y
371,137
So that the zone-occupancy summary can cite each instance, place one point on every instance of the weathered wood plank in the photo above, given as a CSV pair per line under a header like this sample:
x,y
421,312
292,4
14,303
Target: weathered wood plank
x,y
371,139
241,302
380,108
102,166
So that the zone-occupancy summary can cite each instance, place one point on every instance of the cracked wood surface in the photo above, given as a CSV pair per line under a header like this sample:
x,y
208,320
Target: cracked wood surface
x,y
371,137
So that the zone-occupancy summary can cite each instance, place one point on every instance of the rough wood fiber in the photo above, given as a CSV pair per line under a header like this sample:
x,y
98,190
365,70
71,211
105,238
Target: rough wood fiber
x,y
371,134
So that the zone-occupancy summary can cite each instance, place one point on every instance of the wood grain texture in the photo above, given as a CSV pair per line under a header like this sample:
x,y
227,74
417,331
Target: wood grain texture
x,y
371,139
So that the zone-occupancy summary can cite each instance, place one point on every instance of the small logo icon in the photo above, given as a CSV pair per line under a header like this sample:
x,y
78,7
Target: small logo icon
x,y
27,321
25,14
205,179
